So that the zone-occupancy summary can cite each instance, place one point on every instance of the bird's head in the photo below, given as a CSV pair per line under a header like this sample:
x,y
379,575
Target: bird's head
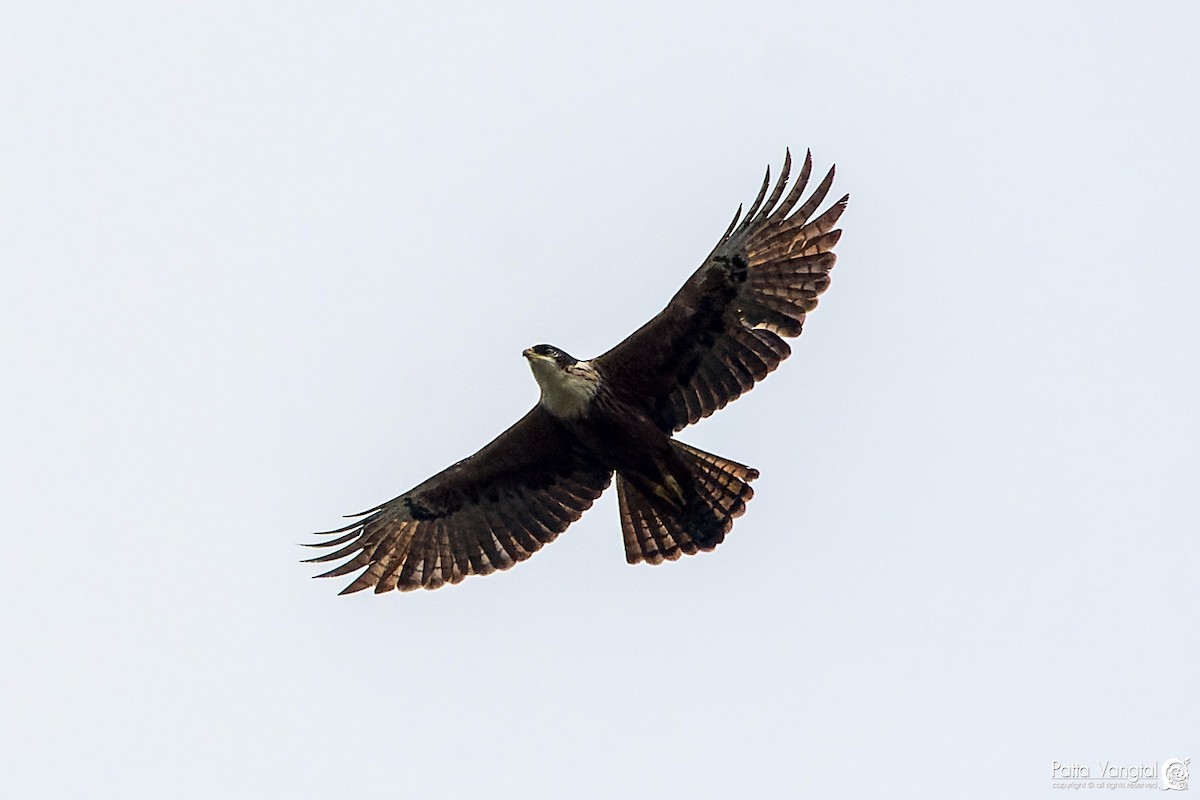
x,y
548,354
568,384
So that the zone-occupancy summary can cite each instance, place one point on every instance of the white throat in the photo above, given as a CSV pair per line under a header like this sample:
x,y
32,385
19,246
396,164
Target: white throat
x,y
565,393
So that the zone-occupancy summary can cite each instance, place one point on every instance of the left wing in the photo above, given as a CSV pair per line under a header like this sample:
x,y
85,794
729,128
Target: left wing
x,y
483,514
722,332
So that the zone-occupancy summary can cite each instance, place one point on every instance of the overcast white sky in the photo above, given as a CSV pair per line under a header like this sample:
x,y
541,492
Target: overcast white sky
x,y
266,264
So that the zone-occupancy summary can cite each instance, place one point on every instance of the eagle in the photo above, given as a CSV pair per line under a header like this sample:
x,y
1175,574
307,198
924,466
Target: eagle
x,y
616,414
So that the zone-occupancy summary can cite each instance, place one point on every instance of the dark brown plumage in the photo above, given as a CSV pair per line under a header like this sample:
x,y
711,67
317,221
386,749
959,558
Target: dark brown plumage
x,y
720,334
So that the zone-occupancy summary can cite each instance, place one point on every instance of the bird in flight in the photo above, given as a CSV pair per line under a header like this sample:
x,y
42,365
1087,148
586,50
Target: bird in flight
x,y
616,414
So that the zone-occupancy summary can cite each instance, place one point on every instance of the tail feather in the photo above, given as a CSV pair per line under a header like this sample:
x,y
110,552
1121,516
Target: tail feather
x,y
655,531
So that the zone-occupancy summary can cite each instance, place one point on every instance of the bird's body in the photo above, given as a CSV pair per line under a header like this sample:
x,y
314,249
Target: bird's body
x,y
616,414
620,434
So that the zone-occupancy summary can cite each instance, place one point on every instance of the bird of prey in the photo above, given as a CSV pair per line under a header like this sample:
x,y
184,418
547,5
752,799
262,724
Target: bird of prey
x,y
615,414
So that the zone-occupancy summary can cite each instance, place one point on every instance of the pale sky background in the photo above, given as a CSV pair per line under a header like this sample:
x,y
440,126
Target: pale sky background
x,y
266,264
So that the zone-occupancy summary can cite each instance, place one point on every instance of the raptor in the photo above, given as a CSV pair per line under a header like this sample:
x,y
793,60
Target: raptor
x,y
616,414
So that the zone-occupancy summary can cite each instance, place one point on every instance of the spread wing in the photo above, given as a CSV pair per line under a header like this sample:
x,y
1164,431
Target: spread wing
x,y
485,513
723,331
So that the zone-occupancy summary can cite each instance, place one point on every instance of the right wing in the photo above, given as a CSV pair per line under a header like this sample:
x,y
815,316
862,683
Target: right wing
x,y
483,514
723,331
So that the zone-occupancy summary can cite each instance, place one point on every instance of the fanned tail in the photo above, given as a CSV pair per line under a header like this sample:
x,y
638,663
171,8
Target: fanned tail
x,y
655,531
